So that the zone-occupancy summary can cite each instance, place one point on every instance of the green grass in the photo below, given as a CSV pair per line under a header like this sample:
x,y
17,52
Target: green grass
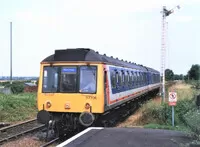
x,y
187,117
167,127
158,126
17,107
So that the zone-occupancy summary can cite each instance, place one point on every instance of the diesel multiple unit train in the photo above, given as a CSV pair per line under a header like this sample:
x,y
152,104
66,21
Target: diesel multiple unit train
x,y
76,86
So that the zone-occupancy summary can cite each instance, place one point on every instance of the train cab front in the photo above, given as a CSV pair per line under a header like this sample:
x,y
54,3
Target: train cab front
x,y
70,92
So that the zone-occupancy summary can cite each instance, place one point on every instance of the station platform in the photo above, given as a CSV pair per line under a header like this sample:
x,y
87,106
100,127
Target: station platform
x,y
126,137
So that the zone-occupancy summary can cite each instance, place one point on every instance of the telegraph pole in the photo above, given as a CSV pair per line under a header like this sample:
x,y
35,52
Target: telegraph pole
x,y
165,13
10,52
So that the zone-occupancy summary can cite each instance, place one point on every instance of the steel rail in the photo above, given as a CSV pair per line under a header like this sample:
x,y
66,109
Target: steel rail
x,y
20,129
50,142
3,129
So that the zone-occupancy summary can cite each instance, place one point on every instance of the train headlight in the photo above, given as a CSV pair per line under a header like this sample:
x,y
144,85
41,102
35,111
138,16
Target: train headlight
x,y
87,106
48,104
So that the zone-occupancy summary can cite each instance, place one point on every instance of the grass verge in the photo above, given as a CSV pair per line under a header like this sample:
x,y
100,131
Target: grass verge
x,y
187,116
17,107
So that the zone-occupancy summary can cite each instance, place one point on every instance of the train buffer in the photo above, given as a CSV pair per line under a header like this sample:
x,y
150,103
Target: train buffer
x,y
126,137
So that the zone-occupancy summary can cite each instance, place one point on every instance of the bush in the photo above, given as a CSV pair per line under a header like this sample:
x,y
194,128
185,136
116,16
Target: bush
x,y
183,106
194,83
154,113
192,120
186,115
162,114
16,87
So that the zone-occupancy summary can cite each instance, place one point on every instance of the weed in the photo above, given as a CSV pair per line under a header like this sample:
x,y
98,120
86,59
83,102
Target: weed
x,y
17,107
187,117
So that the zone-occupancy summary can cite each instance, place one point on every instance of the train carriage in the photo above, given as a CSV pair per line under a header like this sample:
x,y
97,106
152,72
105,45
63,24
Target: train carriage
x,y
78,85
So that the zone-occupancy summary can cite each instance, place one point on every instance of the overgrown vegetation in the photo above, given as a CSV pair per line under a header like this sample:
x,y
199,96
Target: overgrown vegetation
x,y
194,83
16,87
17,107
187,116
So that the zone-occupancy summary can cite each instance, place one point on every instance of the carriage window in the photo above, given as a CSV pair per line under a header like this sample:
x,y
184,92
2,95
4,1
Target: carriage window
x,y
130,79
113,79
139,79
135,79
156,78
153,78
132,83
68,79
140,74
50,79
122,77
145,78
127,78
119,79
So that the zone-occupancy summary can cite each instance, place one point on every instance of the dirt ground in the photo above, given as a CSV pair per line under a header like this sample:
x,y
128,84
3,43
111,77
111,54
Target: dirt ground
x,y
27,141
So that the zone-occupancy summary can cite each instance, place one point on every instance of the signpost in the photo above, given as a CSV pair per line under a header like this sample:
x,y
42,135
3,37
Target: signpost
x,y
172,102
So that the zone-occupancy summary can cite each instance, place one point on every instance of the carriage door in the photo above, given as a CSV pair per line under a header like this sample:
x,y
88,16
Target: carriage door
x,y
105,87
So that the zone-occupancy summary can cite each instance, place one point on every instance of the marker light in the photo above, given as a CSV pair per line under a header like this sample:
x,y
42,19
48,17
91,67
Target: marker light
x,y
48,105
87,106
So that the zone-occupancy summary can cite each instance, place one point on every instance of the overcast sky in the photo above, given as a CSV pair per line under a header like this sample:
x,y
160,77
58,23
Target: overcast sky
x,y
127,29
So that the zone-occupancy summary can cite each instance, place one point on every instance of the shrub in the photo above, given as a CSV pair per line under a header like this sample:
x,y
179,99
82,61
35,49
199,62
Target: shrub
x,y
192,120
154,113
186,115
16,87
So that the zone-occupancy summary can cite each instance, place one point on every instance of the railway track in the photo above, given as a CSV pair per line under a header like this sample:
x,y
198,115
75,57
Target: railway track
x,y
14,131
50,142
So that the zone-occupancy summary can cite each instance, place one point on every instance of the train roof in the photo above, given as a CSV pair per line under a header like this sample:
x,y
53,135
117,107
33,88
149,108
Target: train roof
x,y
87,54
152,70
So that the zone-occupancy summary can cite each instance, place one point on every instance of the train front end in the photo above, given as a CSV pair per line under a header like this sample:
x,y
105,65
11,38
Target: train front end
x,y
70,93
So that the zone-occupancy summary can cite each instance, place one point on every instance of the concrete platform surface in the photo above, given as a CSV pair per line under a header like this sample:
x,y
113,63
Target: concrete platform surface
x,y
126,137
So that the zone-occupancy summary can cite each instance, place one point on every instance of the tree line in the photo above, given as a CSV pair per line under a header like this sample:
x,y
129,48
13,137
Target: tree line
x,y
192,74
